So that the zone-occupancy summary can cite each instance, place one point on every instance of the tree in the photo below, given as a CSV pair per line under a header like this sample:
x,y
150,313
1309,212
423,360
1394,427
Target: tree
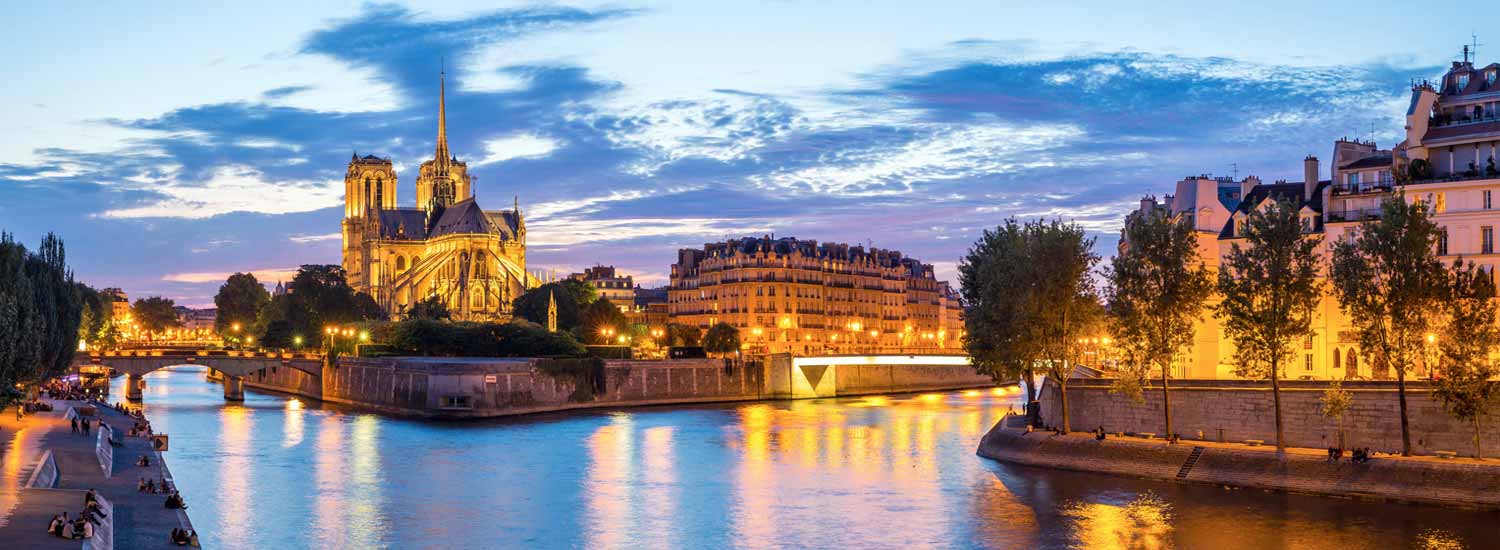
x,y
155,314
317,297
239,301
40,311
278,335
431,308
1060,295
1388,281
1156,290
1336,401
996,333
683,335
1270,289
572,297
1465,385
602,322
722,339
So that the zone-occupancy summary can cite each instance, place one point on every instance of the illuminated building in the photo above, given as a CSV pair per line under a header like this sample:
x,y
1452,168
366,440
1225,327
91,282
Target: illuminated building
x,y
1447,162
807,298
473,259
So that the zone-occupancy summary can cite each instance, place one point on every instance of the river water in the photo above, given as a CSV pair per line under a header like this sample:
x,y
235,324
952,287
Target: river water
x,y
875,472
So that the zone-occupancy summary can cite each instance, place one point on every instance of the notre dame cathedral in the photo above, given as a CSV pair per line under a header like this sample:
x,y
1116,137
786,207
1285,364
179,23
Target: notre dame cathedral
x,y
474,260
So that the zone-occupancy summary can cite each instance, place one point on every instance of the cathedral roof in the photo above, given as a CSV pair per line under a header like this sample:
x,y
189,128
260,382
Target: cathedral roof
x,y
403,223
464,216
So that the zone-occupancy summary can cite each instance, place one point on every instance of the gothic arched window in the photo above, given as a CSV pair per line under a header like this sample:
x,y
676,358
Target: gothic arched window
x,y
400,264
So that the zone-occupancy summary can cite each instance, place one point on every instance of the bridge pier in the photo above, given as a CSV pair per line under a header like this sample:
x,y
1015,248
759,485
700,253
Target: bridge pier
x,y
234,388
133,385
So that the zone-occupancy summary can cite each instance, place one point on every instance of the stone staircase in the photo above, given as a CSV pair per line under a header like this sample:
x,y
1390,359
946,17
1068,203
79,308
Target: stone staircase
x,y
1187,465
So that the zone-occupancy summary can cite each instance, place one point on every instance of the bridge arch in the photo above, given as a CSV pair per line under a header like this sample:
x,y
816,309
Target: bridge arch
x,y
234,365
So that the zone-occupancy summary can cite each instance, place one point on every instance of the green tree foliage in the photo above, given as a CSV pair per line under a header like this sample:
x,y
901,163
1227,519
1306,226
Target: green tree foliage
x,y
1156,292
1065,307
239,302
317,297
1270,288
427,337
1031,302
1465,383
1336,401
683,335
992,279
40,311
1389,281
155,314
722,339
96,324
600,317
278,335
432,308
572,297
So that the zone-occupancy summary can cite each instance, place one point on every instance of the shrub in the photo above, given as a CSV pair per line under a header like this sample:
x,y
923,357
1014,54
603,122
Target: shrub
x,y
516,339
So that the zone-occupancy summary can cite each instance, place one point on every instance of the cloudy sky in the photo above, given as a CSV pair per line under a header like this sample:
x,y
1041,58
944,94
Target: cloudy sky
x,y
170,144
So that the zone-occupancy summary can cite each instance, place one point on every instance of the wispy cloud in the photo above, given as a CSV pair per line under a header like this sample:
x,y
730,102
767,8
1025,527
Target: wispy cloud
x,y
265,275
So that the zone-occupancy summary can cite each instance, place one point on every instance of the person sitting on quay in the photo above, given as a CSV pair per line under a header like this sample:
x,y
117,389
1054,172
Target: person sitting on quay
x,y
174,501
140,485
1099,433
143,461
55,528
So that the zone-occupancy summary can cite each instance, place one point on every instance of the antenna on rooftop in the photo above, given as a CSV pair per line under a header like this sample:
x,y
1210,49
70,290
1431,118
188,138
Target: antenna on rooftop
x,y
1234,168
1475,49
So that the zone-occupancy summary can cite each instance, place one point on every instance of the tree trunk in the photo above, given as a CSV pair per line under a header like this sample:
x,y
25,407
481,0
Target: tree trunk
x,y
1405,424
1166,399
1062,386
1478,451
1276,401
1033,415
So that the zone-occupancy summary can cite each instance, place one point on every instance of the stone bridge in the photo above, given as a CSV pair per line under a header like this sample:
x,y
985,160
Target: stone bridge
x,y
233,365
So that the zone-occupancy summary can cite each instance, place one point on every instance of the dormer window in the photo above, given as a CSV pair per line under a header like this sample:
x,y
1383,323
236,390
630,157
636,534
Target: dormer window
x,y
1462,81
1489,76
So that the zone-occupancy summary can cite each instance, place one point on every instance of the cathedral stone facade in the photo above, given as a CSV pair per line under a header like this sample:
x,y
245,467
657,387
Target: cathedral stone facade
x,y
473,259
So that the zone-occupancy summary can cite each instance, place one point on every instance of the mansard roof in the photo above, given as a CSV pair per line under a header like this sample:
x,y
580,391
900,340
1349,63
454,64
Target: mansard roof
x,y
1285,191
1377,161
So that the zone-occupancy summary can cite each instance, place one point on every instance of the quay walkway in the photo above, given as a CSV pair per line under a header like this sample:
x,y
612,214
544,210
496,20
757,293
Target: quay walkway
x,y
138,520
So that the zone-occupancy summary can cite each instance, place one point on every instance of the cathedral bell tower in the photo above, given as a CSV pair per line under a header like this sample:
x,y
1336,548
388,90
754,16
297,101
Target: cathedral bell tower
x,y
369,188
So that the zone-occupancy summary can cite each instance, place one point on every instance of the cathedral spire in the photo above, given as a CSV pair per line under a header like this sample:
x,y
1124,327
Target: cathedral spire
x,y
441,157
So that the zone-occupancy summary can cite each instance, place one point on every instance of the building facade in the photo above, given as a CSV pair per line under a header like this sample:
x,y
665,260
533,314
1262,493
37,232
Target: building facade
x,y
619,289
1446,162
472,259
807,298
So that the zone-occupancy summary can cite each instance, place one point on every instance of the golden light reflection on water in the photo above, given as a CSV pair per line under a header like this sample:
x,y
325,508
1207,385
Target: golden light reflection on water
x,y
1144,523
292,428
661,493
328,475
363,512
234,474
608,487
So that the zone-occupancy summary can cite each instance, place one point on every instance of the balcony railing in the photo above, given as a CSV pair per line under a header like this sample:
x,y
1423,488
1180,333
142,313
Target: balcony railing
x,y
1446,120
1357,215
1383,186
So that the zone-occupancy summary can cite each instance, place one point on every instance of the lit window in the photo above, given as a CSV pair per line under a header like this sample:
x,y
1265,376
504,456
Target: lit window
x,y
1486,240
1307,363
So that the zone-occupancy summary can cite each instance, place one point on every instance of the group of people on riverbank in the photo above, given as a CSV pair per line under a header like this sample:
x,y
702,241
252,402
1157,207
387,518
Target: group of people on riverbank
x,y
1359,455
151,485
184,537
83,527
58,389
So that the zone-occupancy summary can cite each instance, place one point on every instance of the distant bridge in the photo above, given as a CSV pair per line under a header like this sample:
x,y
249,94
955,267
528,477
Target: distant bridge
x,y
234,365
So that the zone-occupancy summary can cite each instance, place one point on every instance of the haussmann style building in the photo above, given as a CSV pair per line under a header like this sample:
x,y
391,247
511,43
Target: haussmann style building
x,y
1447,162
802,297
473,259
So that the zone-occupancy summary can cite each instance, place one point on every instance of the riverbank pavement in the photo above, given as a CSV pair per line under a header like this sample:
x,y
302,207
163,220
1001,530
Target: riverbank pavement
x,y
138,520
1458,482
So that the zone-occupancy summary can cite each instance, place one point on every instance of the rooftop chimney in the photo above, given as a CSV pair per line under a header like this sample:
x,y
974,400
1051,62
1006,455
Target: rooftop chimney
x,y
1247,185
1309,177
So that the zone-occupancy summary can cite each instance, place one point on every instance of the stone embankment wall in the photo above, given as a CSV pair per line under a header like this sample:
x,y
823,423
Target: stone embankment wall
x,y
868,379
485,387
1424,481
1242,409
286,380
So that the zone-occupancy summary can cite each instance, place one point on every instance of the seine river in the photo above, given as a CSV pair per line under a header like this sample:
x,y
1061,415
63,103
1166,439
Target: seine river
x,y
878,472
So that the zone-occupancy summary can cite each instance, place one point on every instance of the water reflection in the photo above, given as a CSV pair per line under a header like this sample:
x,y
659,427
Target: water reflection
x,y
884,471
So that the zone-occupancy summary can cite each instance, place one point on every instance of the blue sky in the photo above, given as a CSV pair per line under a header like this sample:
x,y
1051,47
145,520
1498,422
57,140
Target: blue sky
x,y
170,144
